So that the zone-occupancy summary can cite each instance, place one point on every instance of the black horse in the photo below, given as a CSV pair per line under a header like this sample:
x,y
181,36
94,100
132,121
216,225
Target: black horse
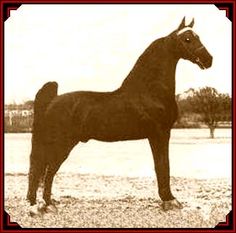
x,y
143,107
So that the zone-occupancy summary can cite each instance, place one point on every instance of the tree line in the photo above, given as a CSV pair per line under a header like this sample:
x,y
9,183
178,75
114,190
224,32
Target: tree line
x,y
205,106
208,105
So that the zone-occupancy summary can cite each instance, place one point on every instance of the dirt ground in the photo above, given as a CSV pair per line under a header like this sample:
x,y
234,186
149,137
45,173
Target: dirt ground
x,y
91,201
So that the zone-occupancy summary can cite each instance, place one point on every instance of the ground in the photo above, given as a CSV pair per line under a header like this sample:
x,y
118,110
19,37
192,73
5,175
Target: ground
x,y
121,202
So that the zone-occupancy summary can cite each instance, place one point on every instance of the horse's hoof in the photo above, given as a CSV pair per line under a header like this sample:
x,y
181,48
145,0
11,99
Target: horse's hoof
x,y
41,206
55,202
170,205
33,210
51,209
37,209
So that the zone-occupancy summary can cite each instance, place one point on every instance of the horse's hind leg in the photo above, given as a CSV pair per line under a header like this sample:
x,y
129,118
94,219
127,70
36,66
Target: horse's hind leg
x,y
37,167
36,172
50,173
58,154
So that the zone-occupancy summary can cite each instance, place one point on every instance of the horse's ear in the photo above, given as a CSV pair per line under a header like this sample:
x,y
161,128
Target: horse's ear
x,y
191,24
182,25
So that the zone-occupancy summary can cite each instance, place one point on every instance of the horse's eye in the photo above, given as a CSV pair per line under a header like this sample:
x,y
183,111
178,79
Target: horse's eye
x,y
187,39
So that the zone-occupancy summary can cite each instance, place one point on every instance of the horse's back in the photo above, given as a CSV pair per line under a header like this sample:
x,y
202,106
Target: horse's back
x,y
105,116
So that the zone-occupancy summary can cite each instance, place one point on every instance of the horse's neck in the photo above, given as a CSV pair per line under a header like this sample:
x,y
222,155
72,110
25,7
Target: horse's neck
x,y
154,72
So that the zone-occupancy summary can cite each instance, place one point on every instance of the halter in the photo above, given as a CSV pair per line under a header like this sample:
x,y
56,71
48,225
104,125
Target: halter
x,y
192,54
184,30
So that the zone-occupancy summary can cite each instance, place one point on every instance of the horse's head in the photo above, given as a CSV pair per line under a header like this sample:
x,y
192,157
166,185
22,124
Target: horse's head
x,y
188,46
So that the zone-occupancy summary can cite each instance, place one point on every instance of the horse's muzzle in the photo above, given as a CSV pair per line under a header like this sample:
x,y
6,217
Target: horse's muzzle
x,y
204,59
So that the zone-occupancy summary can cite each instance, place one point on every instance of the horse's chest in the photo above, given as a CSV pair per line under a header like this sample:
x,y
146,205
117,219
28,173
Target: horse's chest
x,y
157,111
171,113
163,113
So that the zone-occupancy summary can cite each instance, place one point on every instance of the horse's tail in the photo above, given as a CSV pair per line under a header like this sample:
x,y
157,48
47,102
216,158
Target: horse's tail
x,y
42,99
37,160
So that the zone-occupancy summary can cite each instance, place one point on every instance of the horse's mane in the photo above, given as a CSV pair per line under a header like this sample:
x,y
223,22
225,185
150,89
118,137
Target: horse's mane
x,y
149,66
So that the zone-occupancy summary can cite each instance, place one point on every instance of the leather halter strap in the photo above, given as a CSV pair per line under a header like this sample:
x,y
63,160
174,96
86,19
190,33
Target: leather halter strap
x,y
184,30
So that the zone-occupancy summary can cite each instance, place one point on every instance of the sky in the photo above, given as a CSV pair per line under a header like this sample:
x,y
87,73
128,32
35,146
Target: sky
x,y
94,47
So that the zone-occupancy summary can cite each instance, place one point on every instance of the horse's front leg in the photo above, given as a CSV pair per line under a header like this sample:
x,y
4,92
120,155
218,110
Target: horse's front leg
x,y
160,150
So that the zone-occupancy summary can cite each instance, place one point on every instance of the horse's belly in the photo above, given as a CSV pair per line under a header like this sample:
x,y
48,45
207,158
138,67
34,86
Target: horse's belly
x,y
112,134
116,127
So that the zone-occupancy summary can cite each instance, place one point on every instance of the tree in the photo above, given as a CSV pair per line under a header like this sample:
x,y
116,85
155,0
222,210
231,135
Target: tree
x,y
29,104
210,105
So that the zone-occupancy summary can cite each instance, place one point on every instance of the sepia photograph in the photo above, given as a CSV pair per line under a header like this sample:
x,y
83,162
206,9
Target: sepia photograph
x,y
118,116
